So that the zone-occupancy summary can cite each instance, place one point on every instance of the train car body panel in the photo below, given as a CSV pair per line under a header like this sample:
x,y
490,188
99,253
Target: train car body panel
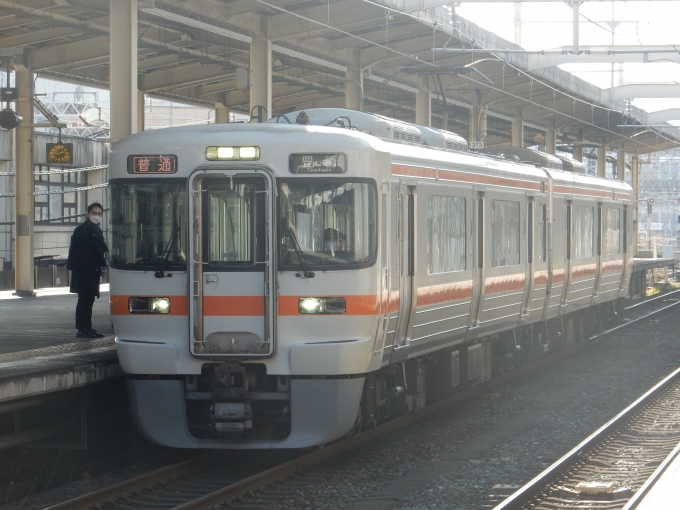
x,y
274,286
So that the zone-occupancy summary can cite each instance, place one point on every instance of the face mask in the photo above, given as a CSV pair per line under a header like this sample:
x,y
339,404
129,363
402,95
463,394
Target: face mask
x,y
96,219
331,246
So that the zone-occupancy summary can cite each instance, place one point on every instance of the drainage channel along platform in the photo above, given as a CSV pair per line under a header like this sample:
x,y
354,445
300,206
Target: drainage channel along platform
x,y
606,470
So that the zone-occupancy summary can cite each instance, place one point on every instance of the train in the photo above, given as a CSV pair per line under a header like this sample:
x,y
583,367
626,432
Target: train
x,y
287,283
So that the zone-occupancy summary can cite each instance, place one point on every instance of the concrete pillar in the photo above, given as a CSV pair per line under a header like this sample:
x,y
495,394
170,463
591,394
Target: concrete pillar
x,y
123,73
517,131
221,113
578,152
354,82
635,182
601,160
424,102
140,111
261,74
24,276
621,165
551,141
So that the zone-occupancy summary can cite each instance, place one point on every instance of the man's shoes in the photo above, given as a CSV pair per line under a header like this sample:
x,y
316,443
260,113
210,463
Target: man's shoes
x,y
96,334
85,333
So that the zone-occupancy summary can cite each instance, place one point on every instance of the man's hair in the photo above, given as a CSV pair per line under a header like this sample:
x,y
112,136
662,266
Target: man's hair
x,y
92,206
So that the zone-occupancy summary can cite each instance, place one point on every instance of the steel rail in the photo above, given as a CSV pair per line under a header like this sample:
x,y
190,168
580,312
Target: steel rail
x,y
522,496
321,453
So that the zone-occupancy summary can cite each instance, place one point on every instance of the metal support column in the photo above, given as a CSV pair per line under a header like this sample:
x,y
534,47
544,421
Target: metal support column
x,y
517,131
354,82
578,152
424,102
601,160
261,75
621,165
551,141
140,111
221,113
24,275
518,24
123,68
477,119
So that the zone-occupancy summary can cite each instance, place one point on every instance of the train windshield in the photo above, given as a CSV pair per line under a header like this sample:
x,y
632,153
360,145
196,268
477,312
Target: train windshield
x,y
326,224
148,224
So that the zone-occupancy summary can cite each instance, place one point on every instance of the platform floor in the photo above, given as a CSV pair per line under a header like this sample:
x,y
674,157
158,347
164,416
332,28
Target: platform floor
x,y
47,319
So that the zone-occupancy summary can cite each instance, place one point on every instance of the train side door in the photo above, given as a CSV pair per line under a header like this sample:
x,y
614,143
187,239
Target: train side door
x,y
478,232
406,239
232,270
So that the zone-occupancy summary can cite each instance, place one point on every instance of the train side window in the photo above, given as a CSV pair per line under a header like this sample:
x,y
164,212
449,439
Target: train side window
x,y
446,234
505,232
540,233
584,232
612,231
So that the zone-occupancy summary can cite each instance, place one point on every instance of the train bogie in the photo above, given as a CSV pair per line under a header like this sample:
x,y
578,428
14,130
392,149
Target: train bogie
x,y
281,285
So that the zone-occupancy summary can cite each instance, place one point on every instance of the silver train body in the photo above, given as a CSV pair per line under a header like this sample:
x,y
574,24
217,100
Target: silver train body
x,y
279,285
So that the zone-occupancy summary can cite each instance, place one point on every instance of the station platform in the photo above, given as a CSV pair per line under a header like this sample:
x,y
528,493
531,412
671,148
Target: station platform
x,y
664,492
39,352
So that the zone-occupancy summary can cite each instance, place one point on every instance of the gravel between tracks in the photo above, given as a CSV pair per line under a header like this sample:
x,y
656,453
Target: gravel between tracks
x,y
451,460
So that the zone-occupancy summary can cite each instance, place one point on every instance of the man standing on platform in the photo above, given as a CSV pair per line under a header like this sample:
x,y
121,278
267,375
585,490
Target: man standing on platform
x,y
86,262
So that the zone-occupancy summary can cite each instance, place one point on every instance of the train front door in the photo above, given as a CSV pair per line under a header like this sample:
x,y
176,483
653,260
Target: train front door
x,y
232,269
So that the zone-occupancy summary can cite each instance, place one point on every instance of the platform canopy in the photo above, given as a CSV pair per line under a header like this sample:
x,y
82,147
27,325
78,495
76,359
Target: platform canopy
x,y
199,52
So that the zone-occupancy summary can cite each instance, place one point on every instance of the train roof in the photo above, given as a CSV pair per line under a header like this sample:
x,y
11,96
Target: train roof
x,y
376,125
524,155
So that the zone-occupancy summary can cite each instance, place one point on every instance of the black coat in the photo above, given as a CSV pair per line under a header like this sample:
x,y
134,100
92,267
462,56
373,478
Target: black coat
x,y
85,260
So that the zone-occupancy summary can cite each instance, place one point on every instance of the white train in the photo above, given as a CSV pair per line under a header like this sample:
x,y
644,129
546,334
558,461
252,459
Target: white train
x,y
279,285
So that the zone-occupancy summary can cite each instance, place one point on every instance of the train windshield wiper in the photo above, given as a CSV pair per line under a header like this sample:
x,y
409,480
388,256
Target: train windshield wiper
x,y
160,271
298,250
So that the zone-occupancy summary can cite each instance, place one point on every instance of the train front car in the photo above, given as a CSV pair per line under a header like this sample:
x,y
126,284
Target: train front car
x,y
244,285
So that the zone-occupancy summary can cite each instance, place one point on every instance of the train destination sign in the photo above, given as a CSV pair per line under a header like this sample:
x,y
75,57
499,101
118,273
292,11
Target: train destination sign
x,y
152,164
318,163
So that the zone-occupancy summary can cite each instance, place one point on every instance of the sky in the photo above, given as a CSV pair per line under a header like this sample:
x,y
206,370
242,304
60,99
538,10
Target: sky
x,y
548,25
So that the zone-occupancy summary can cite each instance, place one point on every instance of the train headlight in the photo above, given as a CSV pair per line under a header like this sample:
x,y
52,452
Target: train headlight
x,y
149,305
232,153
322,305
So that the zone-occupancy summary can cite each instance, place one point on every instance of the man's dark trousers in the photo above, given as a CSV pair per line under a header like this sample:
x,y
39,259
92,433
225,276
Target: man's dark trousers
x,y
84,312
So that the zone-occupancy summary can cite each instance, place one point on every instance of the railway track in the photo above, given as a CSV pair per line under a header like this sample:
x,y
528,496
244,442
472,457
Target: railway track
x,y
208,480
608,467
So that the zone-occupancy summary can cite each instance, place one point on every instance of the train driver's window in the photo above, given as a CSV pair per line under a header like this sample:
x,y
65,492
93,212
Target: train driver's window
x,y
326,223
445,234
612,231
584,232
505,232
